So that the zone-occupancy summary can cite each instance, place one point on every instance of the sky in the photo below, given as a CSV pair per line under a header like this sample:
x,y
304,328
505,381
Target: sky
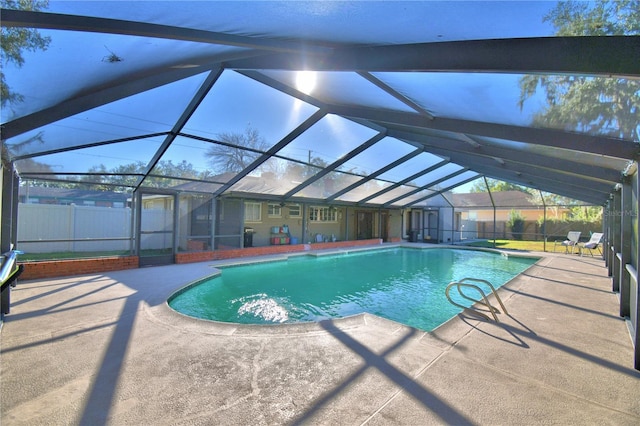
x,y
76,61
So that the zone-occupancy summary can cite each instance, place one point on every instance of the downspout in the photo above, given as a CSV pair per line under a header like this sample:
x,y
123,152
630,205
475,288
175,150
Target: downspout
x,y
138,215
544,222
493,204
242,215
132,224
453,217
212,223
305,231
346,223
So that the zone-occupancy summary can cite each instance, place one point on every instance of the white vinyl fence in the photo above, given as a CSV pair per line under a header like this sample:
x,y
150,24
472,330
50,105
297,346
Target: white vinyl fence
x,y
43,222
160,222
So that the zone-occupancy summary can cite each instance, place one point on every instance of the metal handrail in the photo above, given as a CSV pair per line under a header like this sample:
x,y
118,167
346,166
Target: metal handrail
x,y
493,291
485,302
8,264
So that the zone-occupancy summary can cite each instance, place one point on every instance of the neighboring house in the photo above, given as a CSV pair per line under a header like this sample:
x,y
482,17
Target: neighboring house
x,y
78,197
478,206
475,214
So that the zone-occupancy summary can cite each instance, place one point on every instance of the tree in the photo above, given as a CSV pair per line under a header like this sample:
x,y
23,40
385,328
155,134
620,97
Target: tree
x,y
122,176
125,175
597,105
13,41
496,185
238,150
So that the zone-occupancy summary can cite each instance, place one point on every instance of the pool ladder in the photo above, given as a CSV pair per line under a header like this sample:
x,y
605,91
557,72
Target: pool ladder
x,y
463,283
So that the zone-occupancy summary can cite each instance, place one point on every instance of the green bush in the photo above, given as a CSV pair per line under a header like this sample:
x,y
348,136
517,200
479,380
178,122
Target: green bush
x,y
516,223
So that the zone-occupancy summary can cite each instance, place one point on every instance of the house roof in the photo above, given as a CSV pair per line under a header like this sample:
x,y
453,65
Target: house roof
x,y
410,99
72,194
507,199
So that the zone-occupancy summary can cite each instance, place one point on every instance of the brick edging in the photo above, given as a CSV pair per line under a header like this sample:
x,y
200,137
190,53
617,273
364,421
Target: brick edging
x,y
70,267
63,268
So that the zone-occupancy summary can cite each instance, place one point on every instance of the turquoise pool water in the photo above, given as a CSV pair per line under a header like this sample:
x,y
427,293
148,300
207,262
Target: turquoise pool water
x,y
405,285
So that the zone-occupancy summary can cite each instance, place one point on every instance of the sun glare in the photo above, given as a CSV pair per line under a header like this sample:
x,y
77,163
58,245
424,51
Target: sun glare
x,y
306,81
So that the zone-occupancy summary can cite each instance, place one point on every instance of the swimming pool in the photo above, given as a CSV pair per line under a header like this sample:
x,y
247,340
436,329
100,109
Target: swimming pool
x,y
401,284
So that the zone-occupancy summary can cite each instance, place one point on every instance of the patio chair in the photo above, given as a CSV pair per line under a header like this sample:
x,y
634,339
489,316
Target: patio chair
x,y
571,241
592,244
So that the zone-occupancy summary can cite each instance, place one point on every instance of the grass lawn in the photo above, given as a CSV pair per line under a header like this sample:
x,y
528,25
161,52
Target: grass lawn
x,y
34,257
514,245
69,255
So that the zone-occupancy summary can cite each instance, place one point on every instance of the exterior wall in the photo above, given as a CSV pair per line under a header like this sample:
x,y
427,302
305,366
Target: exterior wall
x,y
343,229
323,231
395,225
446,225
262,229
183,225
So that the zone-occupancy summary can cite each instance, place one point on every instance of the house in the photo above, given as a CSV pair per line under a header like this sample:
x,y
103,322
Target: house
x,y
67,196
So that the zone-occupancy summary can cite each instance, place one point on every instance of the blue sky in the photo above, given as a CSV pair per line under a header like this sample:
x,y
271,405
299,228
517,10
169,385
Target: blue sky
x,y
75,61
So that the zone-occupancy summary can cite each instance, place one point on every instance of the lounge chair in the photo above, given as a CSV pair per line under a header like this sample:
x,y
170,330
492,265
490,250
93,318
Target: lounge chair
x,y
592,244
571,241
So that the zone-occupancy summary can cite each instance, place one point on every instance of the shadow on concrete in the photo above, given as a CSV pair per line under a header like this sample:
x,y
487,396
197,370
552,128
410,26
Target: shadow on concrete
x,y
518,341
104,386
566,305
560,270
58,288
58,337
378,361
103,389
529,334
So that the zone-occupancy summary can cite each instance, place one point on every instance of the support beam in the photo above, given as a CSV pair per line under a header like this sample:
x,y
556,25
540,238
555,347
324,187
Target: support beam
x,y
196,100
532,176
635,260
58,21
313,119
547,161
332,167
625,247
376,174
8,231
600,145
590,55
616,243
404,181
96,97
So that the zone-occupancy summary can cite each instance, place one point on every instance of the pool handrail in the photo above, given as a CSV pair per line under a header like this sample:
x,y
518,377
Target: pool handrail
x,y
9,270
493,291
8,264
485,302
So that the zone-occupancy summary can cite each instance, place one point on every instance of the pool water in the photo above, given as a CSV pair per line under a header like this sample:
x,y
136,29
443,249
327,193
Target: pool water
x,y
402,284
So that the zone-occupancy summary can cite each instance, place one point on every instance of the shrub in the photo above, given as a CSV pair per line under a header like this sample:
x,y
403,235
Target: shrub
x,y
516,223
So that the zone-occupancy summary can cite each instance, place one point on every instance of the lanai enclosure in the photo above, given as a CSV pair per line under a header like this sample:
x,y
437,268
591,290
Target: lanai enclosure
x,y
158,129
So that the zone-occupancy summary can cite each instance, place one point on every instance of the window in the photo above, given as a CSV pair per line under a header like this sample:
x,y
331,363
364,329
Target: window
x,y
253,212
322,214
295,211
274,210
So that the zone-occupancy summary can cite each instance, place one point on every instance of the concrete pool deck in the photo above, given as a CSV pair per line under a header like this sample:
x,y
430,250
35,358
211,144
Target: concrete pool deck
x,y
105,349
